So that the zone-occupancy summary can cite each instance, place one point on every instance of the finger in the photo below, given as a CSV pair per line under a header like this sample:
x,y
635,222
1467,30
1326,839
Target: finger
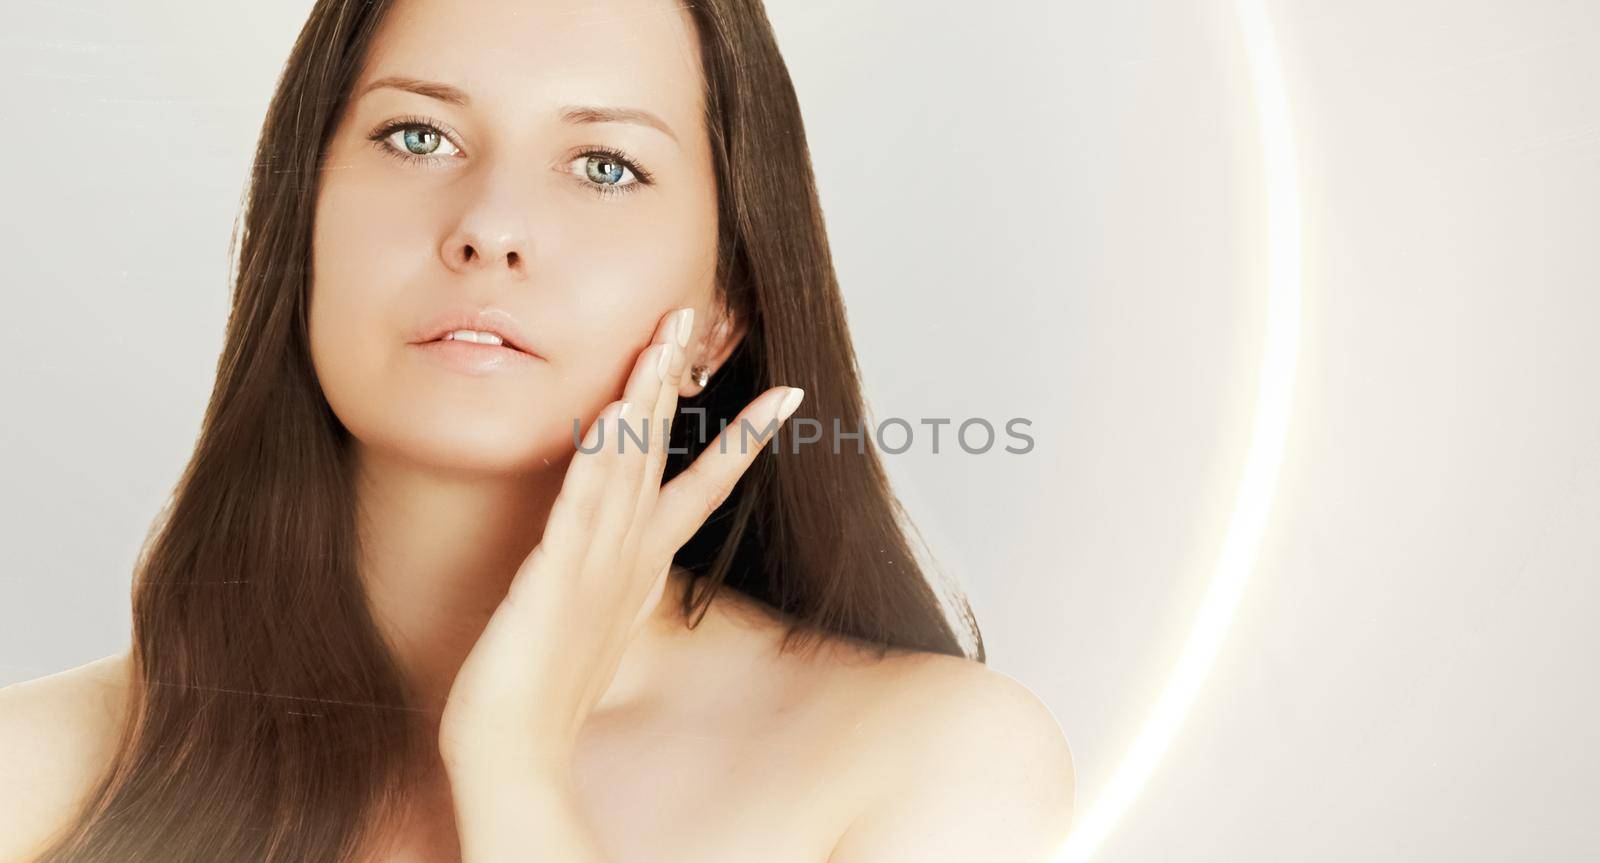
x,y
674,332
691,497
679,332
662,415
658,587
630,438
577,504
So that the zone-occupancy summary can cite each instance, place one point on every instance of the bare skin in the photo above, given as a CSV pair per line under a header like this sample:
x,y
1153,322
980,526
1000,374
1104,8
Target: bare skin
x,y
738,754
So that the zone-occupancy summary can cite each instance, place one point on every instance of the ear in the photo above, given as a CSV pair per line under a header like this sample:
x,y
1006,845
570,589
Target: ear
x,y
712,345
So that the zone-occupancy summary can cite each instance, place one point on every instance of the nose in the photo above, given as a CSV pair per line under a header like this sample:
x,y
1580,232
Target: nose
x,y
467,250
491,235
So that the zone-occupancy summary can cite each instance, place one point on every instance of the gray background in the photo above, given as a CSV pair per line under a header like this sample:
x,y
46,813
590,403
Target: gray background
x,y
1051,210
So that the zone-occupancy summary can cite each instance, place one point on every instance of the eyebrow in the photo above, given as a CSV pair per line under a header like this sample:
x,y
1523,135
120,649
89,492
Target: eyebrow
x,y
574,114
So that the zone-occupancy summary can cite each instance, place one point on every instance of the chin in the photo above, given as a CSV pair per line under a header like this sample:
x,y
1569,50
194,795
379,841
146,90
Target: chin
x,y
494,445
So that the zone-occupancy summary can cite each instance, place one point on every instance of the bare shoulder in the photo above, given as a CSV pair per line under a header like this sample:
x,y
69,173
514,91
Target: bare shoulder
x,y
923,703
972,765
944,758
57,734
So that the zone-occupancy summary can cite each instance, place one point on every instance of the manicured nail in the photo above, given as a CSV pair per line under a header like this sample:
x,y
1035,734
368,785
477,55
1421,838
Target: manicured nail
x,y
791,400
684,325
623,411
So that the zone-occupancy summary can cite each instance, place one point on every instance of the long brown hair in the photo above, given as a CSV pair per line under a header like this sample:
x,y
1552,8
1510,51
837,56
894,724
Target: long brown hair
x,y
268,720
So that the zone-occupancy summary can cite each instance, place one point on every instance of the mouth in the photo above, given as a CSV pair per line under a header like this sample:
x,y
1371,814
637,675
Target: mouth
x,y
475,352
477,337
487,340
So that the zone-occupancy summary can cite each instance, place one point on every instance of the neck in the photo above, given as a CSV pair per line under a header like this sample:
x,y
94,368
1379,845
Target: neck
x,y
438,552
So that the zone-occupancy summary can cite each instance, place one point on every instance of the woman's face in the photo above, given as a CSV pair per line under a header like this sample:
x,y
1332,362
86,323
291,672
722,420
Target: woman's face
x,y
543,162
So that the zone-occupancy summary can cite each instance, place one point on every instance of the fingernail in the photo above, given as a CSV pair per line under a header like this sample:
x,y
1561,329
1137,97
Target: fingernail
x,y
623,411
791,400
684,325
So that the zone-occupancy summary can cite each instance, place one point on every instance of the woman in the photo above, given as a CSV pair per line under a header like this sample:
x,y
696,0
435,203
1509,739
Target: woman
x,y
393,613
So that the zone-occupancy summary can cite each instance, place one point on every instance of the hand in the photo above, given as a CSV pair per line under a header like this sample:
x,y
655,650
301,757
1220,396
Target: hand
x,y
552,647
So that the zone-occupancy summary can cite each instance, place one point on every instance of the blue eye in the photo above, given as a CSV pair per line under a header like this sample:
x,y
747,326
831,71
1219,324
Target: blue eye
x,y
419,141
413,138
605,170
610,170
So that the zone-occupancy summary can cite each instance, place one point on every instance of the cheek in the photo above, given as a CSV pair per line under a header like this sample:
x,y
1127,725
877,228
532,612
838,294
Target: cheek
x,y
357,270
364,253
368,235
622,280
605,326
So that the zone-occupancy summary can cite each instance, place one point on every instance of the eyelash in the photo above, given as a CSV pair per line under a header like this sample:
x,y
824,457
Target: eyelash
x,y
380,139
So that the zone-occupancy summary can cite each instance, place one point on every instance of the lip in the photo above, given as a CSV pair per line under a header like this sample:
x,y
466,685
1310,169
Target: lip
x,y
470,356
487,320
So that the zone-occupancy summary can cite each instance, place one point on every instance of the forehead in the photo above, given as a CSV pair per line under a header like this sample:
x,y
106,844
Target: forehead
x,y
524,54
